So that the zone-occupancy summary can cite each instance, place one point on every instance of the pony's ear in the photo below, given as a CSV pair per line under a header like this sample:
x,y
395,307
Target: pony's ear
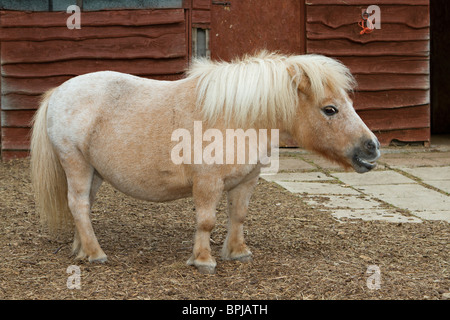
x,y
299,78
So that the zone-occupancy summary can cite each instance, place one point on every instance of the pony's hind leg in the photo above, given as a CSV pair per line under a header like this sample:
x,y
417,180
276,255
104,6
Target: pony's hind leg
x,y
234,247
207,193
80,177
97,181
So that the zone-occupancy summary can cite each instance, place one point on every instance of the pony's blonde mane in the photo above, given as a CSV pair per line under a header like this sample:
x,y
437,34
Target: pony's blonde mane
x,y
262,90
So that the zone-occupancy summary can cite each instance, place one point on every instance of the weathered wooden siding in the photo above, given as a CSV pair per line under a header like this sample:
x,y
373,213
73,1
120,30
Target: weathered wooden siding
x,y
391,64
201,13
39,52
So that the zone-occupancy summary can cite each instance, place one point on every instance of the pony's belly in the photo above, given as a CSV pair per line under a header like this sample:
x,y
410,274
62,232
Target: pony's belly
x,y
161,186
150,185
161,192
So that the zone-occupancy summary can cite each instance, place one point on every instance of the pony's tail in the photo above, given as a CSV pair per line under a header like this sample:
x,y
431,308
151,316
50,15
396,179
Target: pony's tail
x,y
47,175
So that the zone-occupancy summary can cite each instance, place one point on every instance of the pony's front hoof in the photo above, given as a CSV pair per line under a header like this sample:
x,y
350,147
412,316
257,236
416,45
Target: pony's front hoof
x,y
202,267
206,269
100,259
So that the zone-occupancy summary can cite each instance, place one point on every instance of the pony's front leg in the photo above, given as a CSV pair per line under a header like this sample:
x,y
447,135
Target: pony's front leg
x,y
207,193
234,247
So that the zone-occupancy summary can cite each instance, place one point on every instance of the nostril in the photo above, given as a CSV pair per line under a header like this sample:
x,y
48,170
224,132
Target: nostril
x,y
371,145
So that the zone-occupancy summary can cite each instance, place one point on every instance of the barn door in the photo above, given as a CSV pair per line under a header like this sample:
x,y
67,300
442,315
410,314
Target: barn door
x,y
440,67
239,27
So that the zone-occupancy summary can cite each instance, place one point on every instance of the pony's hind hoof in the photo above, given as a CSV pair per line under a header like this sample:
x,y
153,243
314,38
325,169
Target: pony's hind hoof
x,y
244,259
244,255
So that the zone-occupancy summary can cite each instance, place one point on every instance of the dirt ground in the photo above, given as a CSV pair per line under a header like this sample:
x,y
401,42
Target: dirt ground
x,y
298,253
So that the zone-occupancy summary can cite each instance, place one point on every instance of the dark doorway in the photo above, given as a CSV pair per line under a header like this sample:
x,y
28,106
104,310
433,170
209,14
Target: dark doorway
x,y
440,66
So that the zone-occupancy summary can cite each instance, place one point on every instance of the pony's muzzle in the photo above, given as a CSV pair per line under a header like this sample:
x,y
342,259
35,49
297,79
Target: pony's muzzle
x,y
364,156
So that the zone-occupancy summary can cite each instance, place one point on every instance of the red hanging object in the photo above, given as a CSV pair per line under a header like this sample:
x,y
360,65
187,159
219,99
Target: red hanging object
x,y
365,24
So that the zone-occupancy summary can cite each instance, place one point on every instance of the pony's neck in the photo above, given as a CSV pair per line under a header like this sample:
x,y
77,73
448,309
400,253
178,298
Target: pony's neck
x,y
252,93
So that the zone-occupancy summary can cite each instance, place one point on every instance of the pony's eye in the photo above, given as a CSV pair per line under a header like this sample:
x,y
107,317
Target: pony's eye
x,y
329,110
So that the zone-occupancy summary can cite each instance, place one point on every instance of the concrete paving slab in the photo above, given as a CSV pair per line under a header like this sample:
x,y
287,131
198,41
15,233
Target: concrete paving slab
x,y
297,176
429,173
322,162
413,197
372,178
389,186
433,215
441,185
343,202
357,207
416,159
316,188
294,164
374,214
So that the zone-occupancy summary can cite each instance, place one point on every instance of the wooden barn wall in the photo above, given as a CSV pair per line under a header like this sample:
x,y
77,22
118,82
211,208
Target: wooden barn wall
x,y
39,52
391,64
201,13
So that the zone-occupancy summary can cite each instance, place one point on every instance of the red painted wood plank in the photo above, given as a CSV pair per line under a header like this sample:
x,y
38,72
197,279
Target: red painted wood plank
x,y
34,86
31,86
408,135
381,82
11,155
16,101
94,18
166,46
201,16
388,32
63,33
399,118
142,67
343,47
386,64
201,4
15,138
166,77
16,118
337,16
366,100
366,2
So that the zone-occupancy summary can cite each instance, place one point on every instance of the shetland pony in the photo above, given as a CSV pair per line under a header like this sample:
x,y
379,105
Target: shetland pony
x,y
114,127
